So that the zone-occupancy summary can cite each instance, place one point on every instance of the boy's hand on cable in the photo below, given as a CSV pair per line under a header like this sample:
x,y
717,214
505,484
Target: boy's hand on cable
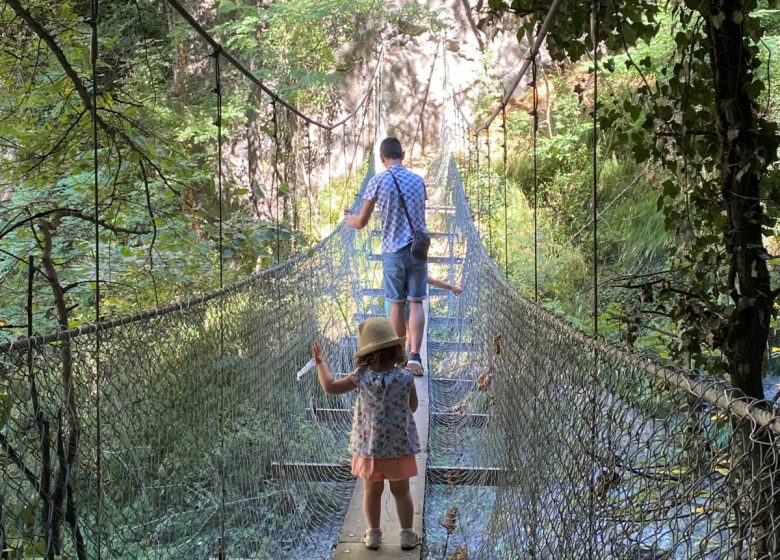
x,y
455,290
316,352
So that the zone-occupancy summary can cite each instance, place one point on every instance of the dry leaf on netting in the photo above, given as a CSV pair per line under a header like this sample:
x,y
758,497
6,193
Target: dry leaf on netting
x,y
460,407
484,378
461,553
451,520
451,478
497,344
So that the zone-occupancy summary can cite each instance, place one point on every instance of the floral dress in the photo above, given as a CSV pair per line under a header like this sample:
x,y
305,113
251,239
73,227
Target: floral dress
x,y
384,436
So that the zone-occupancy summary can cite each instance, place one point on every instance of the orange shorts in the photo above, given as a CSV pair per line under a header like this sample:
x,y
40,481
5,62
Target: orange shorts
x,y
399,468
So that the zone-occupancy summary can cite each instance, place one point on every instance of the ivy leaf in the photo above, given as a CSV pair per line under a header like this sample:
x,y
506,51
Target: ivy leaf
x,y
718,19
670,188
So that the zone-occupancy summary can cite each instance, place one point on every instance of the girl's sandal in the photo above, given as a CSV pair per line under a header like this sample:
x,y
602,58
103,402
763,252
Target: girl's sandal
x,y
409,539
372,539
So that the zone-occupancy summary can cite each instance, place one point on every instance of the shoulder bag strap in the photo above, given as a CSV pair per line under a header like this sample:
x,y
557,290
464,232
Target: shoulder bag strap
x,y
403,204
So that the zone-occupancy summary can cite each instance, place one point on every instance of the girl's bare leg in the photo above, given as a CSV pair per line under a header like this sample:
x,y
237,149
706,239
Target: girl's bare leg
x,y
403,502
372,501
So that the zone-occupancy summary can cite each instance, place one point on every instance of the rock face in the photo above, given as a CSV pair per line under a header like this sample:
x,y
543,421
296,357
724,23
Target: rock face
x,y
422,71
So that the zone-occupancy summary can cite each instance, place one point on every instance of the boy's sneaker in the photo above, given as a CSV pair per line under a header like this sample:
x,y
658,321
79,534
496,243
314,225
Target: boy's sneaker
x,y
415,364
373,538
409,539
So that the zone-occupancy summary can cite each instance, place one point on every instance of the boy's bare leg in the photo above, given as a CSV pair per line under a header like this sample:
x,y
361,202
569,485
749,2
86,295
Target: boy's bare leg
x,y
416,325
397,317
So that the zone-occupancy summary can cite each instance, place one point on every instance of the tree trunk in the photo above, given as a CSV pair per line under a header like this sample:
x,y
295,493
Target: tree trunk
x,y
739,183
473,24
742,161
254,130
68,435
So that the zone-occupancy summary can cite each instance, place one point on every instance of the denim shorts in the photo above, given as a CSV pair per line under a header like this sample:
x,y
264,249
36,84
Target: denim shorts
x,y
406,276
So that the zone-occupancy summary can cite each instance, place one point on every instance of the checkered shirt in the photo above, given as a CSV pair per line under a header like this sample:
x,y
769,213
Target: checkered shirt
x,y
396,233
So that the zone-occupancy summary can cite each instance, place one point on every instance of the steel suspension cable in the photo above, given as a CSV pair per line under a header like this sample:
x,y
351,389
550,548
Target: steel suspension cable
x,y
536,181
329,152
344,191
307,182
221,264
595,34
93,22
537,44
470,182
593,481
489,202
275,180
506,211
254,79
478,185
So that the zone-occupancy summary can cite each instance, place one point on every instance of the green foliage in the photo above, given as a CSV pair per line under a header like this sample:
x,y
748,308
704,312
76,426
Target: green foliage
x,y
657,107
158,192
160,227
632,238
300,46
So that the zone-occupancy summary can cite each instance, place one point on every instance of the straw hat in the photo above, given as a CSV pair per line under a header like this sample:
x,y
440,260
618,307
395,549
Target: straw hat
x,y
375,334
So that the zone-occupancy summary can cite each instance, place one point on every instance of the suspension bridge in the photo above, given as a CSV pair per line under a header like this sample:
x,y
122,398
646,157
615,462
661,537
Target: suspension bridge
x,y
197,430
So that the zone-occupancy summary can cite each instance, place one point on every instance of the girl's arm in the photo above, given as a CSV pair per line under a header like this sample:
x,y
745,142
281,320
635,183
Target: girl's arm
x,y
413,398
329,383
444,286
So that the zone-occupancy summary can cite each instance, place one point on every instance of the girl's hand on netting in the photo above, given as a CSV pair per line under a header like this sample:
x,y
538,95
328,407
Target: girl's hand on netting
x,y
316,352
455,290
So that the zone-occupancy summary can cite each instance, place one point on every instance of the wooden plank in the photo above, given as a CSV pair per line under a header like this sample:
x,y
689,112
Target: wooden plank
x,y
468,476
445,383
431,323
431,260
451,346
433,234
447,418
333,414
460,420
341,472
380,292
440,209
452,323
315,472
435,345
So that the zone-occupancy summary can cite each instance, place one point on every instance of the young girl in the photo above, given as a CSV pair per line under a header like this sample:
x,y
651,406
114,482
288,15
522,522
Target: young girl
x,y
384,437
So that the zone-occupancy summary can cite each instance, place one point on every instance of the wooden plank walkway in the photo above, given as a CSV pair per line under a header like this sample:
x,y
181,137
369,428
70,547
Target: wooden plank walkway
x,y
452,261
350,545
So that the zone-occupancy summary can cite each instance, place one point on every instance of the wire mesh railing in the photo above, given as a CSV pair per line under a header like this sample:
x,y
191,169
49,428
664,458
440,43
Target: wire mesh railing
x,y
191,431
552,444
198,401
155,434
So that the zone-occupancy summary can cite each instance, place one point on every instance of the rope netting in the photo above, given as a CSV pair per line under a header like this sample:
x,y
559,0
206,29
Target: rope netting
x,y
547,443
190,431
156,435
198,429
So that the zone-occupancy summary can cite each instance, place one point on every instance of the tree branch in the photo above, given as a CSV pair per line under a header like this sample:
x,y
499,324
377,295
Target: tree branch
x,y
42,157
19,462
79,86
73,213
47,38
